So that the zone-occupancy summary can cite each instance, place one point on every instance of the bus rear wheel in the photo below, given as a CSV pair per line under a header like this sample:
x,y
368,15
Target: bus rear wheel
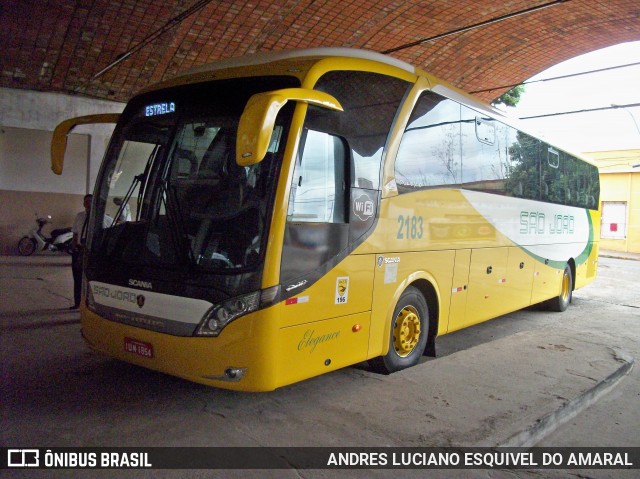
x,y
562,301
408,336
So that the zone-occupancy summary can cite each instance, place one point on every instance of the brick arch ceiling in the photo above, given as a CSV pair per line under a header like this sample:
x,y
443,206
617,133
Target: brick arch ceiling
x,y
59,45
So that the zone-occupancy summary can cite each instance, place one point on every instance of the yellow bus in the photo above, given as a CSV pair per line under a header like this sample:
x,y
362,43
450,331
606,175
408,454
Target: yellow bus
x,y
278,216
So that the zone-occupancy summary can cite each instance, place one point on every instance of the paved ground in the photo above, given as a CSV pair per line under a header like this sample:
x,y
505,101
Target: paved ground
x,y
531,377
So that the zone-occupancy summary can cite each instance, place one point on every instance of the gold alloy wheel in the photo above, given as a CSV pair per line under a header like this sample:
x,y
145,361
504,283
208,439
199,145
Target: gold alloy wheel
x,y
566,287
406,331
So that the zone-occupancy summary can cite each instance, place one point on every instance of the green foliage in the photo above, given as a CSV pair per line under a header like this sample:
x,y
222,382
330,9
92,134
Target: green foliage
x,y
525,176
510,98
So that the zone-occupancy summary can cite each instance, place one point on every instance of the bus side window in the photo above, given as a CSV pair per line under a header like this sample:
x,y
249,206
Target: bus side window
x,y
318,188
429,153
484,164
552,178
524,159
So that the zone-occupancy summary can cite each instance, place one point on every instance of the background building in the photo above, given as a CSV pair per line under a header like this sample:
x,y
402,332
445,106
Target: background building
x,y
619,199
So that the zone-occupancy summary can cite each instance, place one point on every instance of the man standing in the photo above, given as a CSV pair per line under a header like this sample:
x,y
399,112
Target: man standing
x,y
79,230
125,211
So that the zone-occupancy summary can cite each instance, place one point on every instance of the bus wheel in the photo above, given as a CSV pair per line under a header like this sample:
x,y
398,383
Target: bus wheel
x,y
561,303
409,332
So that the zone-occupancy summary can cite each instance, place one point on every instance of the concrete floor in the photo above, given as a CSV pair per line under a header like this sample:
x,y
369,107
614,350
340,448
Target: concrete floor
x,y
528,378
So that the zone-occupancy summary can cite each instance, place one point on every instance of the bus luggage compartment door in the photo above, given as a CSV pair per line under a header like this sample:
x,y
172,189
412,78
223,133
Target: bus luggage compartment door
x,y
487,285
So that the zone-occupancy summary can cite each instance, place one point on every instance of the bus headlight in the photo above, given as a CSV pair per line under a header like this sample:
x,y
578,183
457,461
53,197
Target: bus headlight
x,y
222,314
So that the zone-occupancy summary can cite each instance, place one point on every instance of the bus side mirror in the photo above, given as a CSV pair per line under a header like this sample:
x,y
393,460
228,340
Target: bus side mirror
x,y
59,140
259,117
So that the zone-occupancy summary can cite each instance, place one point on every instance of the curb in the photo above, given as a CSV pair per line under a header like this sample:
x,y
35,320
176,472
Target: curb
x,y
619,255
552,421
615,256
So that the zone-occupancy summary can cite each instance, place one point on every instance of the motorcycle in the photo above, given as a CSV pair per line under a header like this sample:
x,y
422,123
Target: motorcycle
x,y
60,239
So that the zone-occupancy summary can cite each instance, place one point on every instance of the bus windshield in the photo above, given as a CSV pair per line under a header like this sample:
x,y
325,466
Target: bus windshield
x,y
171,193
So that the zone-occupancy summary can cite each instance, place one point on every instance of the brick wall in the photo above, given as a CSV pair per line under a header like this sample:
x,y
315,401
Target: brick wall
x,y
60,46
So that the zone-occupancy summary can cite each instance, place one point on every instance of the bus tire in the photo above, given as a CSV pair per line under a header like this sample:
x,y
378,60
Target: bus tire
x,y
562,301
408,336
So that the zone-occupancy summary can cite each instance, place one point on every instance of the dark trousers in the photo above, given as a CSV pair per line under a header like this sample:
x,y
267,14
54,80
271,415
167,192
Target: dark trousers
x,y
76,269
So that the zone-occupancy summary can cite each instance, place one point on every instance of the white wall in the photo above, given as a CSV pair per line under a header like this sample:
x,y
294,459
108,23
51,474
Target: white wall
x,y
25,162
43,111
27,184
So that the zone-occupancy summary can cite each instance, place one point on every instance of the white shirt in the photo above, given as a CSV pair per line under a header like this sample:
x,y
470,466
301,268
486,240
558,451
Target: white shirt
x,y
78,224
125,214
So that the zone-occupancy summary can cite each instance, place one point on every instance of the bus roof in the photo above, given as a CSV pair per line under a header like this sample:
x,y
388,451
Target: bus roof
x,y
262,58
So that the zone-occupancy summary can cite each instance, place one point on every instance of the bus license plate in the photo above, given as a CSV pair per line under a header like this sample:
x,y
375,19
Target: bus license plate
x,y
138,347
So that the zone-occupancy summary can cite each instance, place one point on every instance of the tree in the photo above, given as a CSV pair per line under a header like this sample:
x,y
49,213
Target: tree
x,y
524,180
510,98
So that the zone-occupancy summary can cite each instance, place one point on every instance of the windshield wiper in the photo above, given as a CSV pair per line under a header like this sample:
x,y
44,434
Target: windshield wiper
x,y
137,180
170,200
